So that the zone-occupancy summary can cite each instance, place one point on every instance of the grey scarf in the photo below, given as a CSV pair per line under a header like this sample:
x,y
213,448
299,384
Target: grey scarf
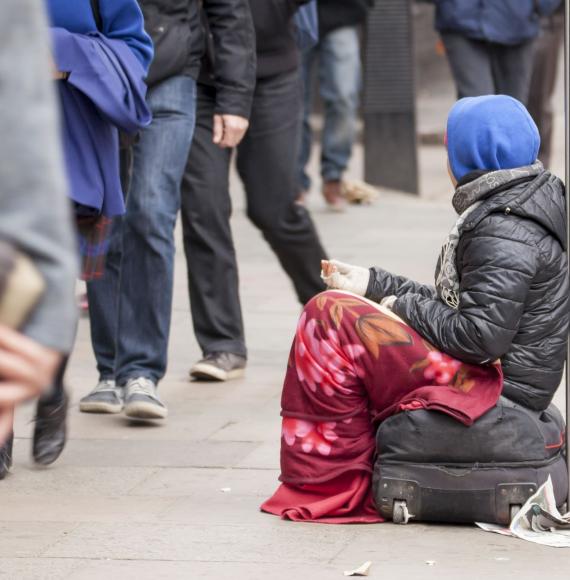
x,y
467,198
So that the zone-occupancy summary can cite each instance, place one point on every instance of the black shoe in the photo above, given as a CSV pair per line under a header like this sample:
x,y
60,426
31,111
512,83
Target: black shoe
x,y
50,433
6,457
219,366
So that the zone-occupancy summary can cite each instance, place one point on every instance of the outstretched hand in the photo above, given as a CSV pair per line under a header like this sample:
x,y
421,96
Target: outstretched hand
x,y
340,276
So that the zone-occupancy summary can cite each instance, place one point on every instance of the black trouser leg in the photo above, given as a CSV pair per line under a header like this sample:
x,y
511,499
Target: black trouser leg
x,y
55,395
470,63
512,69
267,165
543,81
50,431
208,243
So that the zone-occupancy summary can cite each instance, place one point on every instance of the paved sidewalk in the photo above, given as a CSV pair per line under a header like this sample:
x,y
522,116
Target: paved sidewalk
x,y
180,500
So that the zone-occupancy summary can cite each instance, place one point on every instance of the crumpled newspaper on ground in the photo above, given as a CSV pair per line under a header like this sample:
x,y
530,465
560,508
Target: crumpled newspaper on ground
x,y
539,521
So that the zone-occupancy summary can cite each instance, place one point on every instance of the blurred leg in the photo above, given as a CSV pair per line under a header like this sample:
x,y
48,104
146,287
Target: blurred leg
x,y
470,62
309,57
267,163
340,82
208,244
543,80
512,69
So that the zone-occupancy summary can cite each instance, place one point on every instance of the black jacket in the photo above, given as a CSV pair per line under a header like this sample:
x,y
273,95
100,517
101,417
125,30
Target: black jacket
x,y
514,291
277,50
180,42
334,14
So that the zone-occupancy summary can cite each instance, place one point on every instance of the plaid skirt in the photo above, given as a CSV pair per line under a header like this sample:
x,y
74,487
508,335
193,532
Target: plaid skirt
x,y
93,237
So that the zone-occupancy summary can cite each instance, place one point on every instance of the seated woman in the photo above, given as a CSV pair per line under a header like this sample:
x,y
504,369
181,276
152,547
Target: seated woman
x,y
495,322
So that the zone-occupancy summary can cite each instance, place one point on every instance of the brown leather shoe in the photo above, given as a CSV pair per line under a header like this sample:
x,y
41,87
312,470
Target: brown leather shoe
x,y
219,366
333,194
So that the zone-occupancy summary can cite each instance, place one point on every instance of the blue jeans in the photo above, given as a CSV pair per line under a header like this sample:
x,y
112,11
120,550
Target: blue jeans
x,y
340,78
131,306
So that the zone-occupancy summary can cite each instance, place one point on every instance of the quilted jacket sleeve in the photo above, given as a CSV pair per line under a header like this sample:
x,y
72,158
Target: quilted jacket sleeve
x,y
496,274
383,284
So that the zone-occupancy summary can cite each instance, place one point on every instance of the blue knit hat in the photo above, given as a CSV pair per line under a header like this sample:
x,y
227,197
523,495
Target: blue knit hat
x,y
489,133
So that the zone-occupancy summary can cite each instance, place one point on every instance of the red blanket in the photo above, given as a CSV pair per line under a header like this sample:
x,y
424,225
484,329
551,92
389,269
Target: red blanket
x,y
352,365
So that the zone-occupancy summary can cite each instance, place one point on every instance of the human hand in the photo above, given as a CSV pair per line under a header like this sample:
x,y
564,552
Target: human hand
x,y
340,276
26,368
388,302
229,130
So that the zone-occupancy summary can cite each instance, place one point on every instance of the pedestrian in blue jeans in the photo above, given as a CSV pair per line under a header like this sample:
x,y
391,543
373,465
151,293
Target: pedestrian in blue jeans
x,y
131,306
339,74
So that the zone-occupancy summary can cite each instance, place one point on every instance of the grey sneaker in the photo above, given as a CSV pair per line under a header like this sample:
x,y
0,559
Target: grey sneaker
x,y
142,401
219,366
106,397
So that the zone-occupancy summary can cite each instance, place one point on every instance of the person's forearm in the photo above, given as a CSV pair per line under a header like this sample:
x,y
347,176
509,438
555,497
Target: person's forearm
x,y
382,283
34,209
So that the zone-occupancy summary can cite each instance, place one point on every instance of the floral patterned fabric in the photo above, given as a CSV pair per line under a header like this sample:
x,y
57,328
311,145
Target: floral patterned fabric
x,y
353,364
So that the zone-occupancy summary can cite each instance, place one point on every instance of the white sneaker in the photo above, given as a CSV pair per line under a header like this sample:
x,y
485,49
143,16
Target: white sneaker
x,y
142,401
106,397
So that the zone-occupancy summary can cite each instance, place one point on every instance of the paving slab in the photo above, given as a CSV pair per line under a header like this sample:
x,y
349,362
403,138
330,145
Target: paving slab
x,y
148,570
32,538
282,542
38,569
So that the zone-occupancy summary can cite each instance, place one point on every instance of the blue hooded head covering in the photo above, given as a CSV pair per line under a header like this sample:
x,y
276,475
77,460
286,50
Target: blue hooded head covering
x,y
490,133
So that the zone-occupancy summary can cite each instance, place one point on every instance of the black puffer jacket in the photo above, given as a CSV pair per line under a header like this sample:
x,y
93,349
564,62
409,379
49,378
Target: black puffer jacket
x,y
514,290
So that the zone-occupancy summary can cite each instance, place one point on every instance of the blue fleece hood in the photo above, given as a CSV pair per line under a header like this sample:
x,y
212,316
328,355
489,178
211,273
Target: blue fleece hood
x,y
490,133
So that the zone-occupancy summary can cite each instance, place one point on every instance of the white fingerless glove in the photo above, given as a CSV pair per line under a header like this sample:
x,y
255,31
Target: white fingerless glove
x,y
353,279
388,302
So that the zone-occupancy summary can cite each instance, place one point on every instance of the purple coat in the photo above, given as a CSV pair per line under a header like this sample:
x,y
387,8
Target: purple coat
x,y
105,92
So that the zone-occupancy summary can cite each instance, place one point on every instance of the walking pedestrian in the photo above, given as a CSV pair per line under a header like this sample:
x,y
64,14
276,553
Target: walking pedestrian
x,y
337,56
266,162
35,218
490,43
131,307
101,54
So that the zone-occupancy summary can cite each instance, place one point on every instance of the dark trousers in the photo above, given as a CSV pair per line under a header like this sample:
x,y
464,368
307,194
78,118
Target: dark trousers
x,y
266,161
486,68
544,73
56,393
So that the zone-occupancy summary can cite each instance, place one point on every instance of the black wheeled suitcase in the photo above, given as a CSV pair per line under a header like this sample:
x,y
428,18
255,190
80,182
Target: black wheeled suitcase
x,y
430,467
